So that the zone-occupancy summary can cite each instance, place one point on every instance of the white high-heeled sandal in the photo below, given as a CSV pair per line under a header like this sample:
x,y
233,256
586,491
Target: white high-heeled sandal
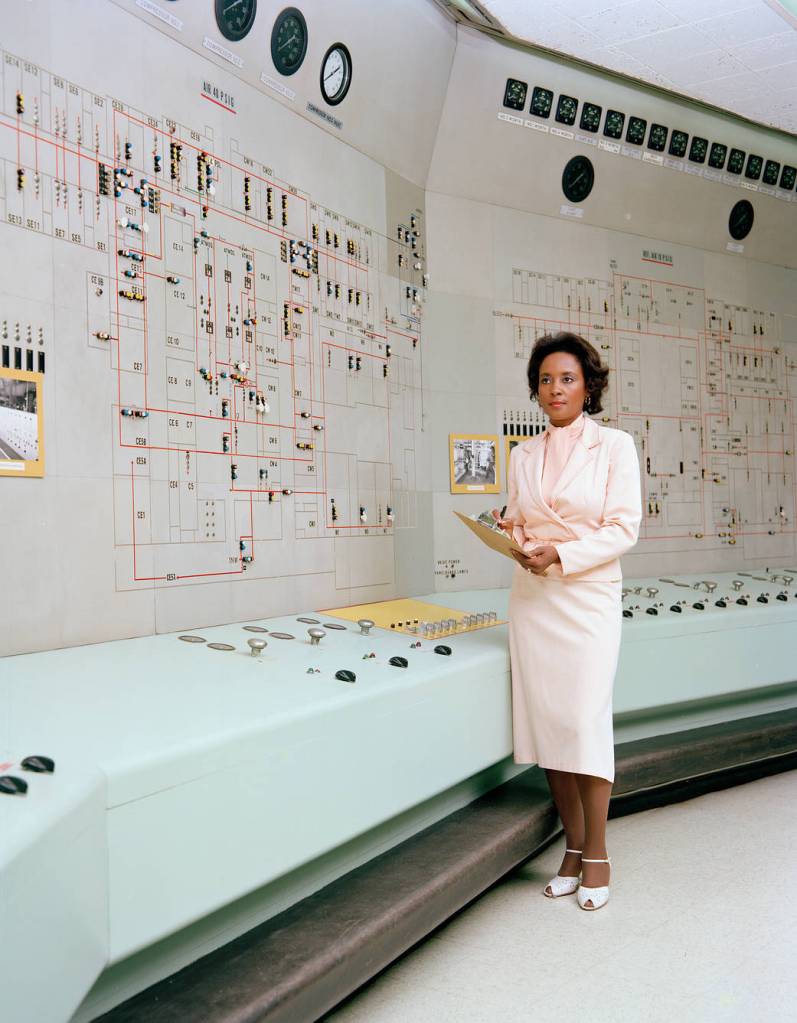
x,y
597,896
561,885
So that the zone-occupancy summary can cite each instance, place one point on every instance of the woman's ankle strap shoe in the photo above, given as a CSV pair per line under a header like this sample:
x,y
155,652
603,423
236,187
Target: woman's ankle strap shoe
x,y
561,885
597,896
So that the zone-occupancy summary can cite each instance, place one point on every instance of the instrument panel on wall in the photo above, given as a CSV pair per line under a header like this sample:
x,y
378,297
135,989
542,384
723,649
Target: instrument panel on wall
x,y
235,18
335,74
289,41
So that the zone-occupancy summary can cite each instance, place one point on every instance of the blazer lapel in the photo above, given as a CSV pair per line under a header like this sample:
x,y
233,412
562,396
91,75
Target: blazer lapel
x,y
582,454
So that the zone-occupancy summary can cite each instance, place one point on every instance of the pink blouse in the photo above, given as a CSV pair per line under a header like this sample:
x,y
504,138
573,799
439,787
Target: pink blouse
x,y
559,443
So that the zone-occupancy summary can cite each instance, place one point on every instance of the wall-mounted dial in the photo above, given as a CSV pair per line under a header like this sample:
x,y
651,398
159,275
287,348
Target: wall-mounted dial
x,y
590,117
678,141
335,74
613,127
771,172
657,139
541,101
736,161
635,133
235,18
289,41
740,223
578,178
716,158
515,94
787,177
566,109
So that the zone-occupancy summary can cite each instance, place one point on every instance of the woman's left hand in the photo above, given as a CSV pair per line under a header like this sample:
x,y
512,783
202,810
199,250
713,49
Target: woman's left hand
x,y
538,559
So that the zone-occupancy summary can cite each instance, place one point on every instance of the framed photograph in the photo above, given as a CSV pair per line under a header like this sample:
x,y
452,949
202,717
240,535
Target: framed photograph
x,y
474,463
509,443
21,423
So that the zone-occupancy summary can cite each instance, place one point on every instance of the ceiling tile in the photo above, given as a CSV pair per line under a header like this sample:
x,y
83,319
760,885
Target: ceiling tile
x,y
673,44
742,27
694,10
629,21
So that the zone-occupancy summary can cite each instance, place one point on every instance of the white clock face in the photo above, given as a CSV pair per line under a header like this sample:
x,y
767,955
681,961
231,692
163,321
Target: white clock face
x,y
335,74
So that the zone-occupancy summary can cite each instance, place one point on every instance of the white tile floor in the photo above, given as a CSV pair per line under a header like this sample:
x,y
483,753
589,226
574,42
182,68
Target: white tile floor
x,y
699,927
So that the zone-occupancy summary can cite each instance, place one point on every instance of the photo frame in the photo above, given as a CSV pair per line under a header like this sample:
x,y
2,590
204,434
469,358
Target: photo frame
x,y
21,423
509,443
474,463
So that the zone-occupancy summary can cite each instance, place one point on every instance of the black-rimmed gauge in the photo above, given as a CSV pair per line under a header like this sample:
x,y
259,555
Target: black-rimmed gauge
x,y
771,172
787,177
566,107
235,18
754,167
657,139
515,94
678,142
740,222
590,117
698,149
578,178
717,154
289,41
335,74
541,101
635,133
613,128
736,161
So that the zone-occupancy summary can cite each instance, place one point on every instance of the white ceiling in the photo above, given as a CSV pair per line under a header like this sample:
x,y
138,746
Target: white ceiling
x,y
740,55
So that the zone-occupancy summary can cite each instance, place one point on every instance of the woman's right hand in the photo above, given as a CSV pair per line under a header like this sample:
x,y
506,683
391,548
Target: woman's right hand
x,y
506,524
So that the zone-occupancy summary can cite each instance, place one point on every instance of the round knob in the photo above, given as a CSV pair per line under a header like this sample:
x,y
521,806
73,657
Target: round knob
x,y
365,626
256,646
316,635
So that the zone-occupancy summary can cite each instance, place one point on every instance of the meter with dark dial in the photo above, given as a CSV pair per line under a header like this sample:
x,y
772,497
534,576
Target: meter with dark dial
x,y
635,133
590,117
613,128
754,166
235,18
771,171
678,141
716,157
578,178
515,94
787,177
541,101
740,222
736,161
566,110
698,149
657,139
289,41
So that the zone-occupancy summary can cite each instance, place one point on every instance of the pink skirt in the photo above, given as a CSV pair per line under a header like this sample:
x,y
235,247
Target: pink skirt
x,y
564,642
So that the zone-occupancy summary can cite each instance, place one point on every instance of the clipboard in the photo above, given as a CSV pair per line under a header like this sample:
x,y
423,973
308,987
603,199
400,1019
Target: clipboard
x,y
499,542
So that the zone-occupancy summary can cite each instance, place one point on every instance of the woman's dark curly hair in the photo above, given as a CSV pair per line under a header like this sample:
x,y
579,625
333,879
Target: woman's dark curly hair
x,y
596,375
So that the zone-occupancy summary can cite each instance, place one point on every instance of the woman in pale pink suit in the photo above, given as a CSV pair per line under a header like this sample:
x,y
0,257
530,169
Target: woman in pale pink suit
x,y
574,506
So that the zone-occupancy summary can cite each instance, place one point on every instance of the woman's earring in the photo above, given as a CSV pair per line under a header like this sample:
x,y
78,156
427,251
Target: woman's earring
x,y
587,402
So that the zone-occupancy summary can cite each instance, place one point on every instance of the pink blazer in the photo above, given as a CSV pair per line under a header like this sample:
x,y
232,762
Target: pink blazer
x,y
597,502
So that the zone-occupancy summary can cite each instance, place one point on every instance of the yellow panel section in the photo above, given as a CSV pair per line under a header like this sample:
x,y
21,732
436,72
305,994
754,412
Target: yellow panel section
x,y
405,615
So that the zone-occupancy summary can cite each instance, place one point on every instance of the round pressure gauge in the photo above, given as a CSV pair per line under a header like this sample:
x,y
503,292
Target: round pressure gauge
x,y
289,41
740,223
235,18
578,178
335,74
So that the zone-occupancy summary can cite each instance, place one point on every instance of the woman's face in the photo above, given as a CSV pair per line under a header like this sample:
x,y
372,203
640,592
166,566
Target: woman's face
x,y
561,390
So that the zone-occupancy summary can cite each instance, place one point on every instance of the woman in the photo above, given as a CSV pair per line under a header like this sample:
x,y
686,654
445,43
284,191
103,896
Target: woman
x,y
574,506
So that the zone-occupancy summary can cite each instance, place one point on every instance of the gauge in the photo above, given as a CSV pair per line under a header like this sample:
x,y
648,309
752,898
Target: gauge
x,y
698,149
740,223
578,178
515,94
335,74
566,110
787,177
657,139
541,101
771,171
753,168
716,158
590,117
289,41
613,128
678,141
635,133
235,18
736,161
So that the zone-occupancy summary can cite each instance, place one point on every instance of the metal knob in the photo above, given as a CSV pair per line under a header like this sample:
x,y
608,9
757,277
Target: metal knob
x,y
256,646
365,626
652,591
316,635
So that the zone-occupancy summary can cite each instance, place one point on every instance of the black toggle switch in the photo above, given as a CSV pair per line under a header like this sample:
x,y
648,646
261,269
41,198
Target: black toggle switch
x,y
627,613
720,602
345,675
742,600
399,662
10,785
39,764
762,599
676,607
651,610
782,596
443,649
699,605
